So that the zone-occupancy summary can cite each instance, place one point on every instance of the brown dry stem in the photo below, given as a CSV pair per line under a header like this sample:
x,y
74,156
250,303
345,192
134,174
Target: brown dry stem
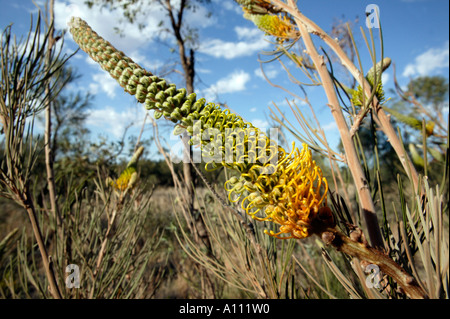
x,y
364,252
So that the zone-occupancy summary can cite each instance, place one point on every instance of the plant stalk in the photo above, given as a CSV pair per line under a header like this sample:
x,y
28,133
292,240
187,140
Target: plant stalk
x,y
368,208
49,157
343,243
54,290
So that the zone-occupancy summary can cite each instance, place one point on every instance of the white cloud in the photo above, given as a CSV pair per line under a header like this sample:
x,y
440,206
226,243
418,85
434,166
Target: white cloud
x,y
251,40
103,22
261,124
253,109
384,78
150,64
330,126
229,5
110,121
244,33
234,82
132,40
431,60
150,15
200,17
103,81
203,70
289,102
270,71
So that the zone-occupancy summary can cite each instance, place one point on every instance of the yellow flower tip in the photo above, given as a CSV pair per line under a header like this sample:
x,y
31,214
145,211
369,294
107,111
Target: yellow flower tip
x,y
120,185
125,180
429,128
277,26
294,197
74,22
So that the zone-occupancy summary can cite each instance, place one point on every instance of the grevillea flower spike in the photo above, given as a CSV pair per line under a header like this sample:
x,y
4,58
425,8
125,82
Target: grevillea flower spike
x,y
127,179
273,185
268,19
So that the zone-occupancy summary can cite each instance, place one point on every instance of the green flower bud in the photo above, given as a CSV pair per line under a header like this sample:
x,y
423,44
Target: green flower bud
x,y
123,80
145,81
153,88
167,107
192,97
122,64
195,140
141,93
193,116
162,84
186,108
157,114
198,105
160,96
249,186
139,73
187,121
178,130
149,104
131,88
171,91
176,114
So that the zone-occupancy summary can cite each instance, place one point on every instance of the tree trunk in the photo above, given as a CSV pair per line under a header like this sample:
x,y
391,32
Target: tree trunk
x,y
49,157
187,62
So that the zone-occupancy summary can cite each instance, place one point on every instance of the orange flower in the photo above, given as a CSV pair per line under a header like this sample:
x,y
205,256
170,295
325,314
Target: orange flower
x,y
291,197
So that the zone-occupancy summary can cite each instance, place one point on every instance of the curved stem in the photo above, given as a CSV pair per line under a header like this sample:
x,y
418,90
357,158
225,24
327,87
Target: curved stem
x,y
343,243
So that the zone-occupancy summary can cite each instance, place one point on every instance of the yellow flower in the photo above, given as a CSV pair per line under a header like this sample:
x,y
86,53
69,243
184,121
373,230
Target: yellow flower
x,y
277,26
292,197
128,177
125,179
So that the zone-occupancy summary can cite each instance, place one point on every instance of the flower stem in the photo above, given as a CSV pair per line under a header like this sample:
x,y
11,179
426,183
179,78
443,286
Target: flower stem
x,y
343,243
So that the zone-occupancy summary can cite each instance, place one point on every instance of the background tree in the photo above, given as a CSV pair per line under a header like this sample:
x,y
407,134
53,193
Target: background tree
x,y
420,110
70,111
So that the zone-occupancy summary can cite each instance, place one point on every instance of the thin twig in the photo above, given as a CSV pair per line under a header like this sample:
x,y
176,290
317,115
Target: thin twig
x,y
29,206
374,256
49,156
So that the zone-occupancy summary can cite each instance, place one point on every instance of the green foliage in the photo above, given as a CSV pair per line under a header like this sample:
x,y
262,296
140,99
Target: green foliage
x,y
373,76
429,89
419,112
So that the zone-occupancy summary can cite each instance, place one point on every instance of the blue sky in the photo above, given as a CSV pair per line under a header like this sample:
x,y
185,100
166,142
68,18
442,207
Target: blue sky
x,y
415,36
